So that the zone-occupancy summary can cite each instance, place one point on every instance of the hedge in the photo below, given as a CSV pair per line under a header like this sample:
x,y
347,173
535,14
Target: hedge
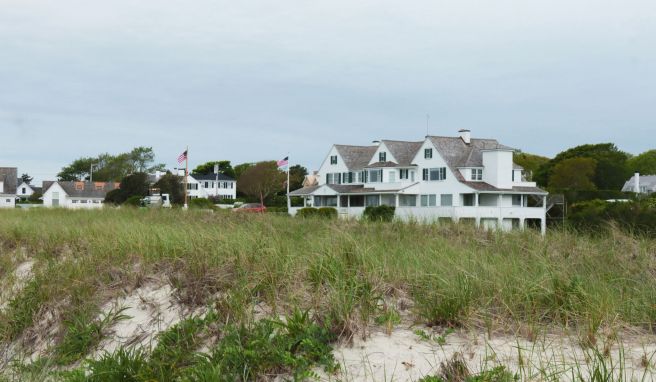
x,y
323,212
201,203
634,216
379,213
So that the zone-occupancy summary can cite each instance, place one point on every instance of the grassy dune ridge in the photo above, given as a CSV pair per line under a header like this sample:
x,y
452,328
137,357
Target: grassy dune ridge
x,y
347,273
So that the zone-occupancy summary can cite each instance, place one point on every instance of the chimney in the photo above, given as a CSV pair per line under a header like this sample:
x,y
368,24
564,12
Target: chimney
x,y
636,183
375,143
465,135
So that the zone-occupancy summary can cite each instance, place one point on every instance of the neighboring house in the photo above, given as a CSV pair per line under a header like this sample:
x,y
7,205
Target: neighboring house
x,y
76,194
205,186
640,184
8,181
25,190
456,178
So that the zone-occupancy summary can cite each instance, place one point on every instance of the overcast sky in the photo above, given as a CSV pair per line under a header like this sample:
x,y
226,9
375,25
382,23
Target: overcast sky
x,y
253,80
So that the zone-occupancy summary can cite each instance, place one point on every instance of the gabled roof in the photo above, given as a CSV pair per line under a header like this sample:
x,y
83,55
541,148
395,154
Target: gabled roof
x,y
383,164
404,152
457,153
9,178
89,190
212,177
648,181
356,157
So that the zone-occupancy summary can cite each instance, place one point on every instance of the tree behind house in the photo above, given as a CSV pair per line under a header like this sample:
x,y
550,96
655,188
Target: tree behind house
x,y
261,181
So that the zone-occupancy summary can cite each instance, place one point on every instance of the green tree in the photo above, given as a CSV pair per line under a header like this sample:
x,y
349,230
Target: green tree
x,y
225,168
574,174
262,180
172,185
611,170
108,167
240,168
644,163
297,174
131,185
530,162
26,178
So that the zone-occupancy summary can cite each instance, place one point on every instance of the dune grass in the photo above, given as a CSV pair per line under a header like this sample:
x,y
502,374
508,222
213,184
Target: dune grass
x,y
344,272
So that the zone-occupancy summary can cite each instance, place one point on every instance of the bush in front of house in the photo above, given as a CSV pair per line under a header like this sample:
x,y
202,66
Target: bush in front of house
x,y
277,210
201,203
323,212
379,213
327,212
133,201
635,216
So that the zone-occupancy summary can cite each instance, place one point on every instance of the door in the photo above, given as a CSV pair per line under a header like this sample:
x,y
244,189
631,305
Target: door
x,y
55,199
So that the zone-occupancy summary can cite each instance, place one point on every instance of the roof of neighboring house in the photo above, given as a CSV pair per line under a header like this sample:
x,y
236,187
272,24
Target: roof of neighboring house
x,y
89,191
404,152
9,178
211,177
457,153
648,181
356,157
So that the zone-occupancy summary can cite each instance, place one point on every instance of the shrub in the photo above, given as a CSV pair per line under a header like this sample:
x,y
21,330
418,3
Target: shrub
x,y
201,203
277,210
379,213
307,212
34,198
134,201
327,212
637,216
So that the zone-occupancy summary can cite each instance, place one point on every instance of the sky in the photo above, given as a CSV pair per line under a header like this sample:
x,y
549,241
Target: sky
x,y
255,80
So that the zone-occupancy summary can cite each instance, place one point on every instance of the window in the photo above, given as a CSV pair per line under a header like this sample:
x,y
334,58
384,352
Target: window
x,y
74,201
382,156
428,200
364,176
424,174
83,201
516,200
477,174
428,153
24,190
412,176
207,184
446,200
468,200
407,200
372,201
392,176
96,202
333,159
334,178
347,178
438,173
403,174
375,176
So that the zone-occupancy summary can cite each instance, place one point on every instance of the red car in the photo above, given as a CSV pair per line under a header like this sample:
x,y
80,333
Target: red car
x,y
251,207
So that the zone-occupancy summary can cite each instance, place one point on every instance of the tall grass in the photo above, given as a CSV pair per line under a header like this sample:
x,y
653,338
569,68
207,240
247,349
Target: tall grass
x,y
339,270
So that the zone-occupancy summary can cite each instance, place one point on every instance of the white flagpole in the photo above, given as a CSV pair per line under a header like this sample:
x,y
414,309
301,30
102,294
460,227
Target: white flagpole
x,y
186,173
289,200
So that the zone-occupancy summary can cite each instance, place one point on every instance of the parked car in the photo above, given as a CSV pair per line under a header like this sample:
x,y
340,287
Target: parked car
x,y
251,207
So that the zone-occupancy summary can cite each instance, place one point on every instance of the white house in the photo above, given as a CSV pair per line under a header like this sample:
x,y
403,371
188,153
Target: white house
x,y
8,180
25,190
205,186
640,184
456,178
76,195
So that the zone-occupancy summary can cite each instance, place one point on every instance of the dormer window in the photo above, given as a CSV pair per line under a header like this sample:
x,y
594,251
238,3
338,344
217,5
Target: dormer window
x,y
428,153
477,174
382,156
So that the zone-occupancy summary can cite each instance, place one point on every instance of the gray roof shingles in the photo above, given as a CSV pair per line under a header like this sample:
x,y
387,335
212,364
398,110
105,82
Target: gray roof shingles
x,y
356,157
90,190
9,177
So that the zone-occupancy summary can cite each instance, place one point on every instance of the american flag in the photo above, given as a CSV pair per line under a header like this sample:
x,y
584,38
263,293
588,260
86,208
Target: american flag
x,y
283,162
182,157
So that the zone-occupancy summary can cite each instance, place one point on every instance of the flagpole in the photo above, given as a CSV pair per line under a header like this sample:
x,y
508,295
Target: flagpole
x,y
185,178
289,200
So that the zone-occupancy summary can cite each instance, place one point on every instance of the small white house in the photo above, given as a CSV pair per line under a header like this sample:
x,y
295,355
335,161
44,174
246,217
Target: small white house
x,y
25,190
640,184
456,178
76,195
8,180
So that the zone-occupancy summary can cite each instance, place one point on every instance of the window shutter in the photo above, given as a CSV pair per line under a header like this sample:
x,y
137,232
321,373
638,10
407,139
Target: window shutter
x,y
424,174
